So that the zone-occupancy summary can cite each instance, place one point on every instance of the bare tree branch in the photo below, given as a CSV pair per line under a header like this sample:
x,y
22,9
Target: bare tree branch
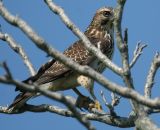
x,y
19,50
117,121
122,43
123,48
151,74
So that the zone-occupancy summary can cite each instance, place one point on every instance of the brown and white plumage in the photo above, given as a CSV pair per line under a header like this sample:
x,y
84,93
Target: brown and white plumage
x,y
56,76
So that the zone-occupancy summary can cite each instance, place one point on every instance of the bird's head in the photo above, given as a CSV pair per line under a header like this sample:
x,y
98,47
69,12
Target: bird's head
x,y
102,20
104,16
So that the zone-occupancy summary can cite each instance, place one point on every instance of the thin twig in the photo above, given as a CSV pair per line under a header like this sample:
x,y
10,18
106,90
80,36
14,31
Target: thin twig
x,y
19,50
153,111
114,102
137,53
8,72
105,101
115,99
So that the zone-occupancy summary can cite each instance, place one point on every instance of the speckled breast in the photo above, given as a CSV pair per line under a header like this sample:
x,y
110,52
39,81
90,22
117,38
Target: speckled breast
x,y
109,50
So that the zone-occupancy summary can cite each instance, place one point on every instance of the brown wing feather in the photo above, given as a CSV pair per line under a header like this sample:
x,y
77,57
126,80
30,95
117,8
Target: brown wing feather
x,y
41,70
77,52
20,100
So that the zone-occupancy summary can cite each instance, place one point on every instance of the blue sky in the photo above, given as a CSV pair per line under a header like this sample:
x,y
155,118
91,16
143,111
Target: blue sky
x,y
142,20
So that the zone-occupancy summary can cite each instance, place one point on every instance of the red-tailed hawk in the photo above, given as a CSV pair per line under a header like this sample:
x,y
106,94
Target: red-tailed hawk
x,y
56,76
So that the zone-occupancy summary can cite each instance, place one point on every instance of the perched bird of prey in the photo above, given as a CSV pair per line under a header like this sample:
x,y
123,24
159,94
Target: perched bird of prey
x,y
56,76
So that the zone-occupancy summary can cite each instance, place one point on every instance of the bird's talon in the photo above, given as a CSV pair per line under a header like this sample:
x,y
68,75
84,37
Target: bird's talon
x,y
95,105
88,104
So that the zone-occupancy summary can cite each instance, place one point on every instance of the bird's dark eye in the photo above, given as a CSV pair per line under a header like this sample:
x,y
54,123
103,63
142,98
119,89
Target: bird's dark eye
x,y
106,13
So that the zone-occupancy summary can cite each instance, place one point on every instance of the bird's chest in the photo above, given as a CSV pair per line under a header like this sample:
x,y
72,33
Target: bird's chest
x,y
107,48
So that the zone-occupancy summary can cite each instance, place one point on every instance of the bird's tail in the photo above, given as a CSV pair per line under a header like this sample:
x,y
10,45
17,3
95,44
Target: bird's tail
x,y
21,99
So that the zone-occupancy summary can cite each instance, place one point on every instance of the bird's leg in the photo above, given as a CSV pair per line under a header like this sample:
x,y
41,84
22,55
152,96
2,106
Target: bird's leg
x,y
88,83
78,92
96,103
82,101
